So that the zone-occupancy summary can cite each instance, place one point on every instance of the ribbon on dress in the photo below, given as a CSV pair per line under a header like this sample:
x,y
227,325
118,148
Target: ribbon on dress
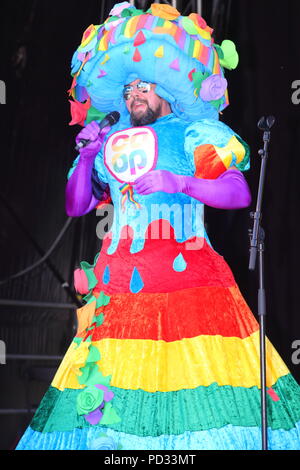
x,y
127,191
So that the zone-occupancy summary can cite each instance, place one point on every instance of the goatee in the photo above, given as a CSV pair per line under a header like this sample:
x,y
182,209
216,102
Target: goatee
x,y
147,117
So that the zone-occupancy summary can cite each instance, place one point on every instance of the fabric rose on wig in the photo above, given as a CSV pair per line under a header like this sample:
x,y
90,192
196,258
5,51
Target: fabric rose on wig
x,y
79,112
213,88
118,8
167,12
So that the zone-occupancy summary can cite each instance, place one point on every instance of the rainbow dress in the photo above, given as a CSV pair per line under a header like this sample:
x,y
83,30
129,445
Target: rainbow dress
x,y
166,355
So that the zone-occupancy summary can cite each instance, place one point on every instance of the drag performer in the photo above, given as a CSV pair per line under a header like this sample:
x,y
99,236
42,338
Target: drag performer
x,y
166,355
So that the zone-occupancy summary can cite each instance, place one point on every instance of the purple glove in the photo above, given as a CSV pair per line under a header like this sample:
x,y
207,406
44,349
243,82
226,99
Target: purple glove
x,y
228,191
79,192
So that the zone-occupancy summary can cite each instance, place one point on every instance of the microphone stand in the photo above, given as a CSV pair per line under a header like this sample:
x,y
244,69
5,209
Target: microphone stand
x,y
257,237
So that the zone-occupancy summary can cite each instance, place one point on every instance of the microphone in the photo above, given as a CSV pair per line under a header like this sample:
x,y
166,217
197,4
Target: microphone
x,y
265,123
109,120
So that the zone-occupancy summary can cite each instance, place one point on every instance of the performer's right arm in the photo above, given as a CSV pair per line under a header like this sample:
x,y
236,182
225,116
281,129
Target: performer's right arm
x,y
79,191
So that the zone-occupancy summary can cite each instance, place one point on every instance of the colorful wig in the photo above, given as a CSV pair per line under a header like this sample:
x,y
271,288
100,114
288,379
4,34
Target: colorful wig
x,y
160,46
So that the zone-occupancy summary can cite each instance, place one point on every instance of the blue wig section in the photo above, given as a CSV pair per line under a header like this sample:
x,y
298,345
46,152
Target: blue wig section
x,y
100,438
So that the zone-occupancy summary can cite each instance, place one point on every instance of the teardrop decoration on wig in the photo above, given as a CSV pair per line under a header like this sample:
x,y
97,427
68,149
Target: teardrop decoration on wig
x,y
136,282
106,276
179,264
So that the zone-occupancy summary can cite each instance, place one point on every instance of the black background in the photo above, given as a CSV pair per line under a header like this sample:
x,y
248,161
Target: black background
x,y
38,39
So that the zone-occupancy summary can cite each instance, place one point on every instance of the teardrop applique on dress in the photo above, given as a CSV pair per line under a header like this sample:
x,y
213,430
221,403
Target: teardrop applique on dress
x,y
106,276
179,263
136,283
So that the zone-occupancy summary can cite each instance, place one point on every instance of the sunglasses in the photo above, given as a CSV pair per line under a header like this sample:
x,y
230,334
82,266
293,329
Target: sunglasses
x,y
143,87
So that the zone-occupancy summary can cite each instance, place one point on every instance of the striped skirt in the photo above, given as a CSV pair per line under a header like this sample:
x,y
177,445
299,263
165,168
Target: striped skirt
x,y
166,357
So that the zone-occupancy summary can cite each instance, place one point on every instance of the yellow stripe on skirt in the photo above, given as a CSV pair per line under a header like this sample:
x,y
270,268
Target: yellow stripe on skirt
x,y
169,366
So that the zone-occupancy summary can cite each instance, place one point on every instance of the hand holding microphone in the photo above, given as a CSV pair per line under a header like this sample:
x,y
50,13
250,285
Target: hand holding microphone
x,y
92,136
79,191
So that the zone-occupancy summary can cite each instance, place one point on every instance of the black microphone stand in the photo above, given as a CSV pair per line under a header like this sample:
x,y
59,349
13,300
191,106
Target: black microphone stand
x,y
257,237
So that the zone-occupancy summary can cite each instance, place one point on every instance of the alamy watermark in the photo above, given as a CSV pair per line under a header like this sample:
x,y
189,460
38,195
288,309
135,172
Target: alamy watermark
x,y
2,352
296,94
2,92
296,353
148,223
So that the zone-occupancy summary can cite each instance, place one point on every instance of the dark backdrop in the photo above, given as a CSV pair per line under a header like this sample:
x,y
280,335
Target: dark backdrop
x,y
38,38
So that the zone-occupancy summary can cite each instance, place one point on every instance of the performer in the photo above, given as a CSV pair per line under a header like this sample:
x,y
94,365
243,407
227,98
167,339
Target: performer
x,y
166,355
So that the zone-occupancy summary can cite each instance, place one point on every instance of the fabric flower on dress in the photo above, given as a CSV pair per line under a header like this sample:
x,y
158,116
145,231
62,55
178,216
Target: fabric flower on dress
x,y
78,358
89,400
103,442
81,284
213,88
91,403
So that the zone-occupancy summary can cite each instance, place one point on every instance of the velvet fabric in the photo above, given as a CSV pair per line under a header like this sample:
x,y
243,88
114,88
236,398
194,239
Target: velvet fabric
x,y
173,413
164,325
227,438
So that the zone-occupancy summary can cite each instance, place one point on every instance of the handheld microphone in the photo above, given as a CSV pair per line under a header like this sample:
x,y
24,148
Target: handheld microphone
x,y
109,120
265,123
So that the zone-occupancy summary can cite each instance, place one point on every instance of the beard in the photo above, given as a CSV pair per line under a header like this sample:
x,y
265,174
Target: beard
x,y
146,117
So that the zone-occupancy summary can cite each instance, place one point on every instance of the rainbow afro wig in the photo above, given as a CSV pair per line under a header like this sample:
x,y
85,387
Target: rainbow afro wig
x,y
160,46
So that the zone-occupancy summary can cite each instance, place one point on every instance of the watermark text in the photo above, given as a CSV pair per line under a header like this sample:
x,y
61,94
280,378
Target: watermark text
x,y
296,353
2,352
160,221
296,93
2,92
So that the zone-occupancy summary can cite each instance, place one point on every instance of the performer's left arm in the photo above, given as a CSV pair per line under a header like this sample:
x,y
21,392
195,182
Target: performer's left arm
x,y
228,191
